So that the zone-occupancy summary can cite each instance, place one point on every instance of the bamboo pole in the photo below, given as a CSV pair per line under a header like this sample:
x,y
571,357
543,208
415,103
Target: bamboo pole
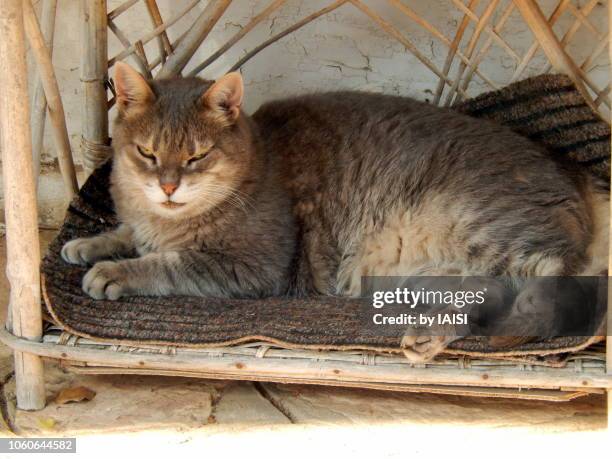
x,y
581,73
142,56
535,19
52,94
39,104
409,12
158,60
452,50
482,52
163,42
288,370
94,61
490,31
121,9
554,17
238,36
547,395
146,38
138,56
298,25
23,252
455,93
395,33
194,38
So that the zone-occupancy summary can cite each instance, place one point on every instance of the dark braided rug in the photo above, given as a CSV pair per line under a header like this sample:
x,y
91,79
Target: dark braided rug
x,y
547,108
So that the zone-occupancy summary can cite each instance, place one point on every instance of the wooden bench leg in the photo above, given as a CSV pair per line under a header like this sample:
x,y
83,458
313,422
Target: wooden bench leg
x,y
30,381
21,216
610,414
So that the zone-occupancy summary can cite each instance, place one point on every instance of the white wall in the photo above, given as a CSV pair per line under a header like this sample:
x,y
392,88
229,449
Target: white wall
x,y
344,49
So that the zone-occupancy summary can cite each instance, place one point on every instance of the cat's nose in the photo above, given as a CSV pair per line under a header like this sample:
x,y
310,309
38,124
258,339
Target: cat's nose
x,y
169,188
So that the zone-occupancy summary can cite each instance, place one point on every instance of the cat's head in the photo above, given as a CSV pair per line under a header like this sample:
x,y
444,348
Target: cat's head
x,y
181,145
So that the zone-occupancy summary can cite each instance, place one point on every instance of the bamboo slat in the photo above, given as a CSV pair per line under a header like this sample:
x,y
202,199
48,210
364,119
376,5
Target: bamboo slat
x,y
194,38
165,47
253,367
121,9
487,28
547,395
554,17
154,33
452,51
39,103
52,95
586,361
565,40
455,90
588,64
243,31
551,46
137,55
391,30
485,48
409,12
22,249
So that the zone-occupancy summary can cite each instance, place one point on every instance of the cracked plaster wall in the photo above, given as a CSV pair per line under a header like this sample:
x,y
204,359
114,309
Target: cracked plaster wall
x,y
343,50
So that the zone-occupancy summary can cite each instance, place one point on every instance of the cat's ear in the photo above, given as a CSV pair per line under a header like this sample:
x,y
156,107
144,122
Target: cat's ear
x,y
225,96
131,88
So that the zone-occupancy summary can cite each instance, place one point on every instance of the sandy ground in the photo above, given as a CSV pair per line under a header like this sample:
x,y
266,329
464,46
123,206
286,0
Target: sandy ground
x,y
170,414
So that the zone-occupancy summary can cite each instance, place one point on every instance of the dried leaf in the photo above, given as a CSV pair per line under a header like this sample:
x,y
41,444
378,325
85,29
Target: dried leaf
x,y
74,394
46,423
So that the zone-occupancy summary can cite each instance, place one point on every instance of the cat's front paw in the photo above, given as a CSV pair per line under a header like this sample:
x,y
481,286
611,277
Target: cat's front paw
x,y
82,251
106,280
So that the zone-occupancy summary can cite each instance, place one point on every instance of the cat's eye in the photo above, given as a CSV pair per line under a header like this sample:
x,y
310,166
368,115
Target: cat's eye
x,y
198,157
146,153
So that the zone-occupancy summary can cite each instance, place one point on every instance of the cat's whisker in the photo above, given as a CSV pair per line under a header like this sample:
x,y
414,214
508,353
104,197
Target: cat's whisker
x,y
235,197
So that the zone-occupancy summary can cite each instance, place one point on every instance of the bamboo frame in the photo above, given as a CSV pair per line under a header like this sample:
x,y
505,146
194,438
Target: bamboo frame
x,y
276,4
469,59
23,254
53,99
481,27
194,38
165,47
551,45
228,363
94,69
39,104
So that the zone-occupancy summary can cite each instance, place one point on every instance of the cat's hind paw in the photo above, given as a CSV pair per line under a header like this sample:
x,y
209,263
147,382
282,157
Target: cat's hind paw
x,y
420,348
107,280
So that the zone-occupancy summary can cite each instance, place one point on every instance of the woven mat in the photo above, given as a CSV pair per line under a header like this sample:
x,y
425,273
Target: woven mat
x,y
311,323
549,110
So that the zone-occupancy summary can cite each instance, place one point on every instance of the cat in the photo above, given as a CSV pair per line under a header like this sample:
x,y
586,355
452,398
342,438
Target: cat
x,y
198,197
313,192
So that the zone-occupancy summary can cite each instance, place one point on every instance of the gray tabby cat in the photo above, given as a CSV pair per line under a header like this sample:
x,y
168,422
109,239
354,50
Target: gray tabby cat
x,y
314,192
